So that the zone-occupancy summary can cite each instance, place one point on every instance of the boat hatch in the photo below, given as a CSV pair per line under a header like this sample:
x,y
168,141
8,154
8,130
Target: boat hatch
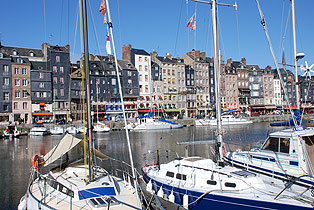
x,y
60,187
96,192
243,173
103,201
277,144
193,159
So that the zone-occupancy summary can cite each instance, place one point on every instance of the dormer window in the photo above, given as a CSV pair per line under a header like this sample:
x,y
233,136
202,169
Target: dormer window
x,y
31,54
20,60
14,52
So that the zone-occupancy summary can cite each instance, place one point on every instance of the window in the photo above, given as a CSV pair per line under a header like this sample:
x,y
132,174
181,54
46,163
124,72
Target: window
x,y
6,96
15,105
41,85
170,174
5,68
6,81
113,81
17,82
25,94
41,75
181,176
271,144
55,80
55,92
146,59
24,105
61,80
58,59
140,67
20,60
24,82
17,94
140,78
24,71
146,78
140,59
55,69
5,107
16,71
61,69
61,92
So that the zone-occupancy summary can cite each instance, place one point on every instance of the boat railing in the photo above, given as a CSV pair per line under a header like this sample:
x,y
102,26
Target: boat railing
x,y
158,157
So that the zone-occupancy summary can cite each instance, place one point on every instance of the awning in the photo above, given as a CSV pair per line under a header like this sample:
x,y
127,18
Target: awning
x,y
257,107
148,110
270,107
42,114
65,145
42,104
172,110
160,97
287,107
147,97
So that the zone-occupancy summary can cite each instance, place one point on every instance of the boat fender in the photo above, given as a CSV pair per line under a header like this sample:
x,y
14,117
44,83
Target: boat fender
x,y
160,192
171,197
149,186
186,201
23,204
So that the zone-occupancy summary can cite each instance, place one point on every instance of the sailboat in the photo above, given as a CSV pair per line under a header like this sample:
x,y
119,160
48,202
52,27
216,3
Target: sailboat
x,y
286,154
80,186
200,183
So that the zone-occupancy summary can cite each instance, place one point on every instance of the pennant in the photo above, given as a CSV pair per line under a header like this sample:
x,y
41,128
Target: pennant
x,y
108,47
189,24
193,26
102,11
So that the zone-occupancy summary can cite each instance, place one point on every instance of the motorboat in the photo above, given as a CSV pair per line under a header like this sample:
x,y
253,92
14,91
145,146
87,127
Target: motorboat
x,y
11,131
57,130
100,127
38,129
72,130
285,155
199,183
150,123
225,120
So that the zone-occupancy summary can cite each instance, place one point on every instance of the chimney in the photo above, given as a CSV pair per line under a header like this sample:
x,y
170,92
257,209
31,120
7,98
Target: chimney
x,y
203,54
126,52
169,56
44,50
67,47
229,61
91,57
243,60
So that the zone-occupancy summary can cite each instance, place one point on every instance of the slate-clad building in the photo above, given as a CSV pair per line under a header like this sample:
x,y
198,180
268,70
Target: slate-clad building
x,y
6,88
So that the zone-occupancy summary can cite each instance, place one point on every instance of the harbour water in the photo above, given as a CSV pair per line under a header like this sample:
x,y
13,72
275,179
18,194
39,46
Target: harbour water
x,y
16,154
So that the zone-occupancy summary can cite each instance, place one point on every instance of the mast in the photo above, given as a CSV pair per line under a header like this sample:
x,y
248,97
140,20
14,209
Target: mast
x,y
217,73
297,93
86,71
122,102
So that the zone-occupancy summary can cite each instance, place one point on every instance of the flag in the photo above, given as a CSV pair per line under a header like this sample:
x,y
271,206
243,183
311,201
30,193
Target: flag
x,y
189,24
193,26
108,47
102,11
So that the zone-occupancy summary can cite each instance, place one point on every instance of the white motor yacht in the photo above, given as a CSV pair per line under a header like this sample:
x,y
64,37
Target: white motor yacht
x,y
38,129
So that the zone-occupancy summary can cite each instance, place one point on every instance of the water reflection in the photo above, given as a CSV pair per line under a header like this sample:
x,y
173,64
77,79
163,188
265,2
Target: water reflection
x,y
15,155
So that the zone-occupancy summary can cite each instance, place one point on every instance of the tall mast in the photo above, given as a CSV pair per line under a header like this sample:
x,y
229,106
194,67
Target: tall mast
x,y
217,72
86,71
297,93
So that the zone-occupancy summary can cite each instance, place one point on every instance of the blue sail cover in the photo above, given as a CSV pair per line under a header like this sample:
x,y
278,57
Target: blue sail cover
x,y
167,121
145,116
297,116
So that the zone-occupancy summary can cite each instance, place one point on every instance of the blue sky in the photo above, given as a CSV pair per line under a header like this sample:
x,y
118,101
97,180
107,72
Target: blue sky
x,y
160,25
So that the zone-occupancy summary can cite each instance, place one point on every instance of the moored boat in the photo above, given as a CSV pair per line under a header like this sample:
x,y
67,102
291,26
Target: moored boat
x,y
38,129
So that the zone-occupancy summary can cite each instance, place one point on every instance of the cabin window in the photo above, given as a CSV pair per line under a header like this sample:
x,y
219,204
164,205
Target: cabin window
x,y
284,145
170,174
271,144
181,176
211,182
230,184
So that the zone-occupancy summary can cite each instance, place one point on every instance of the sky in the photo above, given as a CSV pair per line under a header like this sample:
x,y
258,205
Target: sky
x,y
160,25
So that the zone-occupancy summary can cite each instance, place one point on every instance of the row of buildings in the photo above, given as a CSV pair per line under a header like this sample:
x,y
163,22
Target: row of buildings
x,y
43,85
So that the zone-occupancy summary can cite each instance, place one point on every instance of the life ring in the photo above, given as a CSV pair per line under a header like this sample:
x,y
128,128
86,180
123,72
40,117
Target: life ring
x,y
35,162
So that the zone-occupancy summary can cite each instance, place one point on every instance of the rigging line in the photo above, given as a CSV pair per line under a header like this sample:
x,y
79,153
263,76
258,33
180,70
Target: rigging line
x,y
61,22
207,33
195,29
187,15
45,20
119,25
281,29
219,36
175,45
285,32
238,33
74,32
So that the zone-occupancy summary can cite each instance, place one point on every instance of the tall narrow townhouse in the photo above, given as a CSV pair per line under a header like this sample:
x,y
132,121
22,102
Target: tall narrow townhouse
x,y
268,83
6,88
58,58
231,90
21,89
198,61
170,70
243,84
142,62
256,89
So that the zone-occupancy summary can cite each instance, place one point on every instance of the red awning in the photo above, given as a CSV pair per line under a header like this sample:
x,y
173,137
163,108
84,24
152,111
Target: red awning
x,y
147,97
142,96
42,113
42,104
160,97
148,110
287,107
